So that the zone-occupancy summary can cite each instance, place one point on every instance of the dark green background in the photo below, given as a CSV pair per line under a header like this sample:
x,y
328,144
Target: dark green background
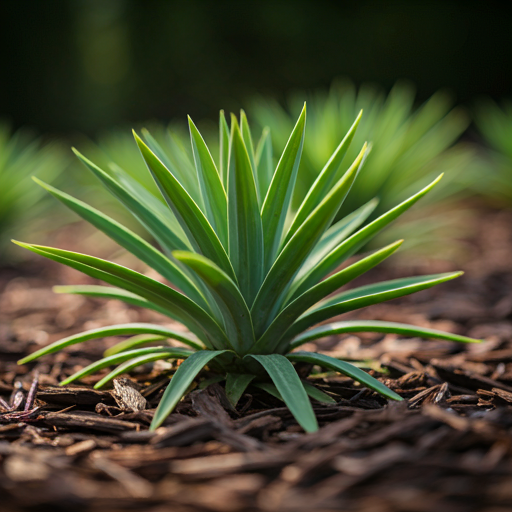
x,y
82,65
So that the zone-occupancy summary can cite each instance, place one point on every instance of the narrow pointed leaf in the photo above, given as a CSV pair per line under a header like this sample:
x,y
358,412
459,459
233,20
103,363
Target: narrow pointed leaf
x,y
269,388
131,242
270,340
236,384
247,138
181,166
196,226
137,341
271,296
366,296
179,305
165,214
108,292
149,219
287,382
129,365
114,330
324,182
264,163
311,390
245,226
345,368
166,352
203,384
376,326
318,394
212,191
224,149
175,236
278,198
335,235
180,382
237,315
353,244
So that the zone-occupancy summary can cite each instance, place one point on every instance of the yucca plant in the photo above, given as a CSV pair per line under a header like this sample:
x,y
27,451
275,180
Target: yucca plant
x,y
22,204
495,125
410,146
252,278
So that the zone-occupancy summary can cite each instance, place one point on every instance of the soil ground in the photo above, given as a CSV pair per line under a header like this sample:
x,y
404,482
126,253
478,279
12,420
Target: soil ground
x,y
447,447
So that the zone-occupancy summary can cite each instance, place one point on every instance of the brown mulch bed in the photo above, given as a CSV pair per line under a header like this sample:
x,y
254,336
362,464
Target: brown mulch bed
x,y
447,447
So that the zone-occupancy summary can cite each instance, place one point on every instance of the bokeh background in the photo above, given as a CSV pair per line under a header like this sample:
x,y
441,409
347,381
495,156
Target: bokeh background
x,y
84,65
433,78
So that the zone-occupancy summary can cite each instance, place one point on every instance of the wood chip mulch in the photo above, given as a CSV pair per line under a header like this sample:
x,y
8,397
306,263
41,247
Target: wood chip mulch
x,y
446,447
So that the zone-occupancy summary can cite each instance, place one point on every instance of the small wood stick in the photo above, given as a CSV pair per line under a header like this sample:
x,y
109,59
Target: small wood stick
x,y
32,392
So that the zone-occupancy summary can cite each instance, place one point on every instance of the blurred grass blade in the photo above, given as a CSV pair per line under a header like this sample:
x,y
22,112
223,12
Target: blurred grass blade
x,y
345,368
239,328
287,382
324,182
165,352
212,190
264,163
236,384
114,330
366,296
279,195
376,326
180,382
245,226
192,219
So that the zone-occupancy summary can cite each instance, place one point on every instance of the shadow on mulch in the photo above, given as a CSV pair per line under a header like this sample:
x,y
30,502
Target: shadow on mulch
x,y
446,448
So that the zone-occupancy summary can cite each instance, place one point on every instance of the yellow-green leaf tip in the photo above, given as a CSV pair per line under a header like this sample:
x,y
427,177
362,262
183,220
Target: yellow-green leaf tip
x,y
21,244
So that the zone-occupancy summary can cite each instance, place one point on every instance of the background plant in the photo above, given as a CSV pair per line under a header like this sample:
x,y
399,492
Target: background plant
x,y
255,276
495,125
24,209
409,147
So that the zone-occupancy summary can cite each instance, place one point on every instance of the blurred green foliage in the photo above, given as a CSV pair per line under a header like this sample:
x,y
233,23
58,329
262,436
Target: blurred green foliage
x,y
102,63
495,125
409,146
24,207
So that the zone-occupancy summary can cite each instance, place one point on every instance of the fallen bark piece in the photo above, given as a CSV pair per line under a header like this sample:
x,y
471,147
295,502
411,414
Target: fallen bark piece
x,y
217,465
71,395
134,485
90,421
